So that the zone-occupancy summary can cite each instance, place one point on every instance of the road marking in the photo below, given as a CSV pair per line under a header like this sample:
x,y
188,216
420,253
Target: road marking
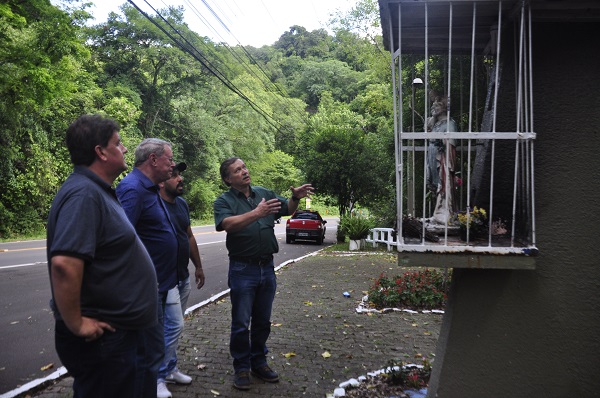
x,y
22,250
23,265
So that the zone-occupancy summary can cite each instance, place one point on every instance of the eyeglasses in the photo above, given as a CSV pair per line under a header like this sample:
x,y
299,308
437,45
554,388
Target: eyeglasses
x,y
170,159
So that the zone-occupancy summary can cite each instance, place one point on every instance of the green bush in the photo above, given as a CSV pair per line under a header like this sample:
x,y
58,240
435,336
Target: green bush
x,y
356,227
415,289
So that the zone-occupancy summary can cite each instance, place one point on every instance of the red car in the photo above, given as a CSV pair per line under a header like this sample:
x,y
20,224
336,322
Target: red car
x,y
305,225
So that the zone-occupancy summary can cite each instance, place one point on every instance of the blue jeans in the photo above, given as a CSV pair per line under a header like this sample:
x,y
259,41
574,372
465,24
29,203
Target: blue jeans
x,y
102,368
174,308
150,354
252,292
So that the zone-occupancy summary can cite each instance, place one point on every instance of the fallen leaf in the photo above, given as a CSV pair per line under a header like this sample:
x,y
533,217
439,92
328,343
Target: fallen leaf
x,y
201,366
418,355
46,367
414,324
276,325
326,354
427,333
309,303
14,322
289,354
215,392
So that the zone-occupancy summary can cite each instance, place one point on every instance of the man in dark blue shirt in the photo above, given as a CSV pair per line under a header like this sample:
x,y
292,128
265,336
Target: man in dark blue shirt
x,y
139,195
248,214
102,278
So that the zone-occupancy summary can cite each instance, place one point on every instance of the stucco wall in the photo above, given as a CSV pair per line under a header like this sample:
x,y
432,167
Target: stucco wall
x,y
537,333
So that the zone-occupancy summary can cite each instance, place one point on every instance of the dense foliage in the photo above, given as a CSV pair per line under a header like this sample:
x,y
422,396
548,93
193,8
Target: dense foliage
x,y
312,107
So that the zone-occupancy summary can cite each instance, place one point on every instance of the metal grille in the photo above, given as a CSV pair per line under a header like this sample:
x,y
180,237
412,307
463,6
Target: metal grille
x,y
454,167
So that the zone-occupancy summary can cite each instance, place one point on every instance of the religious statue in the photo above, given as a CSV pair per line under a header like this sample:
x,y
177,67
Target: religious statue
x,y
441,158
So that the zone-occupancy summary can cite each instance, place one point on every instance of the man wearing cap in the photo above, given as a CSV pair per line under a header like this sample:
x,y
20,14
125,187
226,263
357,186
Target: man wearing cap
x,y
248,213
177,297
139,194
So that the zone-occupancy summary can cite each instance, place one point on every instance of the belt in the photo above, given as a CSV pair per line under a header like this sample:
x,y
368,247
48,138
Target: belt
x,y
260,260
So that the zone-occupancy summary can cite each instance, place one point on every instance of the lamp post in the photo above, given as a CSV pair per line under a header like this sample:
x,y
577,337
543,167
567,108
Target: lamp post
x,y
410,175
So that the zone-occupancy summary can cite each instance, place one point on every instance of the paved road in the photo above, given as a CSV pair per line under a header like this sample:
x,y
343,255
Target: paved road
x,y
26,323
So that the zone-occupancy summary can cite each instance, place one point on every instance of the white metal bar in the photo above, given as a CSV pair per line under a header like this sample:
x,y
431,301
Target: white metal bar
x,y
425,115
468,207
531,128
397,142
400,156
447,185
518,122
493,155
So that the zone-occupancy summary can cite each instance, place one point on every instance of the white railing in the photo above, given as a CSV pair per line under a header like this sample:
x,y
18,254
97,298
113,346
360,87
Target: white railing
x,y
382,235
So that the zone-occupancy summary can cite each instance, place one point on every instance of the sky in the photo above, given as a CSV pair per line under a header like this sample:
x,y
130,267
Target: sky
x,y
246,22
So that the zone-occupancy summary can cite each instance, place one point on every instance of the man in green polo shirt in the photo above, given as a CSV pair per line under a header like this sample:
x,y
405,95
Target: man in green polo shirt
x,y
248,213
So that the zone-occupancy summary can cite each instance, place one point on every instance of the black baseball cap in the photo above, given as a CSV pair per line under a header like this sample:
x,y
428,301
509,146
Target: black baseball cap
x,y
180,166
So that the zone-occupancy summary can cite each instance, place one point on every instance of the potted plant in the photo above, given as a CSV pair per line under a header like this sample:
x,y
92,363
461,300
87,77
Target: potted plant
x,y
475,221
357,229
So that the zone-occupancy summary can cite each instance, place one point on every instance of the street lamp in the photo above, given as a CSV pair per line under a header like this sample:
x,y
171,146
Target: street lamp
x,y
416,83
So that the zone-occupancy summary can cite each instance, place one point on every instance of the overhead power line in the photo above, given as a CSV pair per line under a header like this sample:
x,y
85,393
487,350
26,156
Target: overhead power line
x,y
264,79
213,69
204,61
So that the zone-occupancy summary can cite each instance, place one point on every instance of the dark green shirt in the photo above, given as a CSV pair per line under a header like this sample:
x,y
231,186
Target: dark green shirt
x,y
256,239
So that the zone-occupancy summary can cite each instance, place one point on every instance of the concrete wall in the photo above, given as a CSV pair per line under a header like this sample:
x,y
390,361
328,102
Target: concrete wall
x,y
537,333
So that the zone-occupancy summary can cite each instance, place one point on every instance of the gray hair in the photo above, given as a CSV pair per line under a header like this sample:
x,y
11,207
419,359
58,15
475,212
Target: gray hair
x,y
149,146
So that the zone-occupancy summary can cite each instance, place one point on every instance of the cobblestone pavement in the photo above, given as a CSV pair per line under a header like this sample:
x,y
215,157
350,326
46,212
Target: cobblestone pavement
x,y
311,317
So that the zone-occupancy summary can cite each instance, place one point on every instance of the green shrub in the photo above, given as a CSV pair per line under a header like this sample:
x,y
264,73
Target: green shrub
x,y
356,227
426,289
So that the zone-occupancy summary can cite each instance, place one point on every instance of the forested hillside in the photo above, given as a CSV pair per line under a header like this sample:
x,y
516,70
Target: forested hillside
x,y
313,107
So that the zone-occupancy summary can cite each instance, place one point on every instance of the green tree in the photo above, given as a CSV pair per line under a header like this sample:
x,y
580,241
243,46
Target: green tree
x,y
333,76
298,41
277,171
43,87
340,159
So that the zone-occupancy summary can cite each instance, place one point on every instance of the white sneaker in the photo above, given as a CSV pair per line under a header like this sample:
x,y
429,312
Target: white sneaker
x,y
178,377
162,391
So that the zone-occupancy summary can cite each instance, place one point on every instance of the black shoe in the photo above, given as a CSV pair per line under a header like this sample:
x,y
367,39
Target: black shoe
x,y
265,373
241,380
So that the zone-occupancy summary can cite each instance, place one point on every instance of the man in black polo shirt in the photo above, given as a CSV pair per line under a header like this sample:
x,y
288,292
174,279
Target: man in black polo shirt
x,y
102,278
248,213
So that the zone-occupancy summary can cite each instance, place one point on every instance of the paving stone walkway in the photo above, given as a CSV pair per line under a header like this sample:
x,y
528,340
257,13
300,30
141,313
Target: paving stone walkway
x,y
318,340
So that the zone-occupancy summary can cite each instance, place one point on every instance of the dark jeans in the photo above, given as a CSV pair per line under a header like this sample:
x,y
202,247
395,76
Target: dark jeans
x,y
102,368
151,354
252,292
